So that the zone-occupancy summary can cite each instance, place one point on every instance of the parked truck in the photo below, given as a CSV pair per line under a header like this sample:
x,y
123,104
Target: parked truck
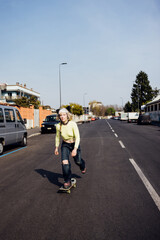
x,y
133,116
124,116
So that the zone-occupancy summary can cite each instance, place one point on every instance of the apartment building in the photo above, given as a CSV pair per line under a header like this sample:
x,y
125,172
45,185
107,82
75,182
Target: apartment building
x,y
153,108
8,93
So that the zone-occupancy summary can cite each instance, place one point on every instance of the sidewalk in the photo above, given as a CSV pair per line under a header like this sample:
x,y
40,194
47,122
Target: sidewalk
x,y
34,131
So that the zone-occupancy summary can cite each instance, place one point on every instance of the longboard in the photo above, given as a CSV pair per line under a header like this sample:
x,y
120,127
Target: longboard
x,y
68,190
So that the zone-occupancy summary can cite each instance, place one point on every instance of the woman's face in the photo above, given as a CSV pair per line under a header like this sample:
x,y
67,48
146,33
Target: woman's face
x,y
63,117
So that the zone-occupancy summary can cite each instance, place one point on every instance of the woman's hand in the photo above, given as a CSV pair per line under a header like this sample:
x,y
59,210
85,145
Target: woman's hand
x,y
74,152
56,151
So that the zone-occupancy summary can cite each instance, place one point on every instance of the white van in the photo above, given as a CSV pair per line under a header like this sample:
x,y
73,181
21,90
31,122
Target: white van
x,y
12,127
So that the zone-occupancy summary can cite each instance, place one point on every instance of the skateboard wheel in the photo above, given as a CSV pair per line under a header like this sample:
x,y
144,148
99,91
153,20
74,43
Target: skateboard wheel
x,y
74,185
69,191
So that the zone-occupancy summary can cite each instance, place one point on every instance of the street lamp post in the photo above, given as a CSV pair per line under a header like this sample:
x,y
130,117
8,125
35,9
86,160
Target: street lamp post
x,y
122,103
60,81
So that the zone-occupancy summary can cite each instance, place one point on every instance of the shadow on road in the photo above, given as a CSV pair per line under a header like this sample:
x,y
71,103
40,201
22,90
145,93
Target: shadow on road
x,y
53,177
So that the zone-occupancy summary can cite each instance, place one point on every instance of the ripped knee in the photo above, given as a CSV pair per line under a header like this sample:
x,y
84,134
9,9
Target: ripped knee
x,y
64,162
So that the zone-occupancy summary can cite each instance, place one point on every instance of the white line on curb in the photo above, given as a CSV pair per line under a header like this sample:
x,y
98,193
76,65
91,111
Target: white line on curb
x,y
122,145
147,184
35,134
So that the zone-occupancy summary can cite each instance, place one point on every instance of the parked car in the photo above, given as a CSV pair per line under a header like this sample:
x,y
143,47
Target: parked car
x,y
12,127
144,119
93,119
116,118
49,124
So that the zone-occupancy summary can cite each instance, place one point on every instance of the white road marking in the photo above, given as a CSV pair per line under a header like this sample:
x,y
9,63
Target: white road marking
x,y
35,134
112,129
149,187
108,124
122,145
147,184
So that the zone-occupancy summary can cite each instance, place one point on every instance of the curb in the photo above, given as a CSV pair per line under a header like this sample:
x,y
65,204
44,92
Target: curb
x,y
35,134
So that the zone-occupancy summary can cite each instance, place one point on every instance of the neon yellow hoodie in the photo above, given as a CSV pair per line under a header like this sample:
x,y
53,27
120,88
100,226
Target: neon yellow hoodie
x,y
68,132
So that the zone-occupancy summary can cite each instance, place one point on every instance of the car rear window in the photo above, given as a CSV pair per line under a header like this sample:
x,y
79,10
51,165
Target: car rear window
x,y
50,118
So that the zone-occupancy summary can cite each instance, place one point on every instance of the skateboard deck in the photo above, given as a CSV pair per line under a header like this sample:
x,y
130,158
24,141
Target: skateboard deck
x,y
68,190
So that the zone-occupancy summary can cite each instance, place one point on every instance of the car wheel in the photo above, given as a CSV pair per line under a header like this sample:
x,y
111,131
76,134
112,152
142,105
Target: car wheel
x,y
1,148
24,141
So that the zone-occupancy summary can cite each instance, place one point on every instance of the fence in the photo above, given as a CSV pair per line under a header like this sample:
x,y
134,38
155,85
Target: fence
x,y
33,116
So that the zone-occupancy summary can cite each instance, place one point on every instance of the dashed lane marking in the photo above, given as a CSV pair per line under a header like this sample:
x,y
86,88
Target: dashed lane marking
x,y
121,143
149,187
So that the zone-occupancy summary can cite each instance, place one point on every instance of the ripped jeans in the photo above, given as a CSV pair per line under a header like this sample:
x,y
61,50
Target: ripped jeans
x,y
66,149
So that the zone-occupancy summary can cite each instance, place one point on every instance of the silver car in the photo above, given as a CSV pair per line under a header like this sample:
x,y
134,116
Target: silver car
x,y
12,127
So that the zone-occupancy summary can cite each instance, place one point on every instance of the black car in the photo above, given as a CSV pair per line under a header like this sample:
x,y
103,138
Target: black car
x,y
49,124
144,119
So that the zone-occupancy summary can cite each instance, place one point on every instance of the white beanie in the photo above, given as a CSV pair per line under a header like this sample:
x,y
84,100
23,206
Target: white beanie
x,y
63,110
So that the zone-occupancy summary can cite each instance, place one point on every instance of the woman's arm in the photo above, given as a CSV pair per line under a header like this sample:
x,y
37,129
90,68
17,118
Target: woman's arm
x,y
76,135
57,139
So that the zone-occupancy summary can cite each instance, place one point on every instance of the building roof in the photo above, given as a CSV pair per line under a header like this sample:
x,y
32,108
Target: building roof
x,y
155,100
20,87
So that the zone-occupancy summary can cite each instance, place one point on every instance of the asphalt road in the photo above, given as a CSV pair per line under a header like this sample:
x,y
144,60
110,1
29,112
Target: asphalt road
x,y
111,202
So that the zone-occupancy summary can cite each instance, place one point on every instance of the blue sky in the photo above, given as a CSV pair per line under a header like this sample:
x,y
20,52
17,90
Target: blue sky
x,y
105,43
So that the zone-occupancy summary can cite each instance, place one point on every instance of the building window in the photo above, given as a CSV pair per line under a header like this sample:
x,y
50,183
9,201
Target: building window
x,y
155,107
152,108
9,95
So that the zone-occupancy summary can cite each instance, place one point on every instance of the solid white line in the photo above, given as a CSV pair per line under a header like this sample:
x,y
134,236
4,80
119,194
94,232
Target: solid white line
x,y
116,135
147,184
122,145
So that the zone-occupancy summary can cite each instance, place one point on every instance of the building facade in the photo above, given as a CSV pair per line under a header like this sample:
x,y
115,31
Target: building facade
x,y
8,93
153,108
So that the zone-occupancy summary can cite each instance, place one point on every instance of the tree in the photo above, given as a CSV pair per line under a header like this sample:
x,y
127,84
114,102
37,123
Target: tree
x,y
97,108
33,101
128,107
74,108
47,107
26,102
142,92
110,111
155,92
22,102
